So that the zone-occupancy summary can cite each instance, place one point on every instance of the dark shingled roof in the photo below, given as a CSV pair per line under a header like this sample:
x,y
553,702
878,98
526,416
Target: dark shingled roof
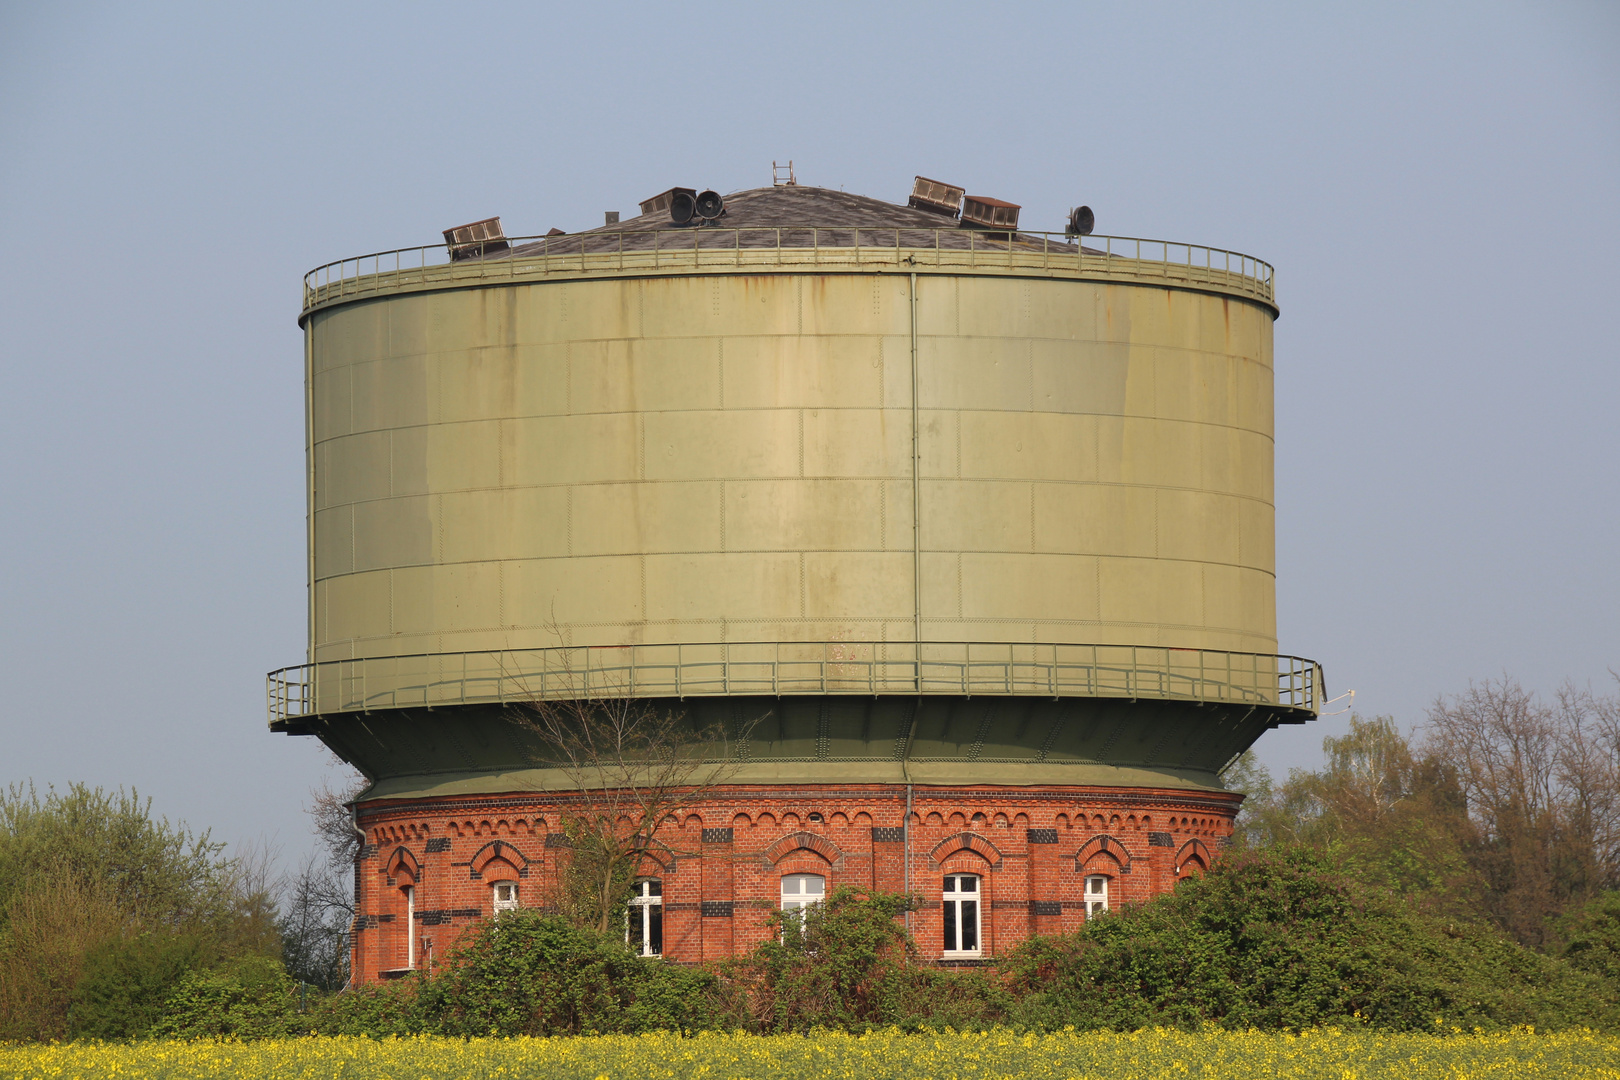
x,y
802,217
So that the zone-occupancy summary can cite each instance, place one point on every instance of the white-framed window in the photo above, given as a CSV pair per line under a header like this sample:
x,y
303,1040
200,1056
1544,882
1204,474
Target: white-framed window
x,y
1096,895
506,896
410,927
799,891
644,920
962,913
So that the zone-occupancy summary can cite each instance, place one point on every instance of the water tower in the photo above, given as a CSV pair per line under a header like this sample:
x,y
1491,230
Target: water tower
x,y
975,521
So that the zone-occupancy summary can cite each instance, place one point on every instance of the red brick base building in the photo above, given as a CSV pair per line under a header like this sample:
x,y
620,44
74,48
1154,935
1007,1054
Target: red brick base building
x,y
1036,858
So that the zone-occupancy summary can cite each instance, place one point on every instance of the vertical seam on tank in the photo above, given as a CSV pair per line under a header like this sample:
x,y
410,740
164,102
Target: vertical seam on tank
x,y
916,495
803,610
882,363
309,480
801,444
883,516
569,516
722,515
438,526
720,361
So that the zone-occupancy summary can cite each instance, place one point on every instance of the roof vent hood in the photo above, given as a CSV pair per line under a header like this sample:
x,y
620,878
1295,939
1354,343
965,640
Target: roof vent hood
x,y
935,196
475,239
661,202
988,213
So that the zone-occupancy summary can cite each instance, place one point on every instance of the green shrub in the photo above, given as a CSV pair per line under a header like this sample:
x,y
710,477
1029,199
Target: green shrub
x,y
848,963
126,982
1591,936
525,973
375,1011
1280,941
250,998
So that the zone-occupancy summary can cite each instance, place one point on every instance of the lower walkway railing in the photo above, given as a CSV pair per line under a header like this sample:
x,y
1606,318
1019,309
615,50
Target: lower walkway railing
x,y
513,676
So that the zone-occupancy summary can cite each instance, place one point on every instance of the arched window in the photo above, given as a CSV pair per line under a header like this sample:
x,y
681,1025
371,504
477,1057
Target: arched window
x,y
506,896
799,891
962,911
1096,895
410,927
644,921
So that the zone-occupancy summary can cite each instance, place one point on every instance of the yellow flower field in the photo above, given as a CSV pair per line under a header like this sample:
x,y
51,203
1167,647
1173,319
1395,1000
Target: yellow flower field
x,y
1350,1055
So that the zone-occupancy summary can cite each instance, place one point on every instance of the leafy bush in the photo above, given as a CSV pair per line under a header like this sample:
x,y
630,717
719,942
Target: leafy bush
x,y
847,963
1591,937
526,973
127,981
250,998
374,1011
1280,941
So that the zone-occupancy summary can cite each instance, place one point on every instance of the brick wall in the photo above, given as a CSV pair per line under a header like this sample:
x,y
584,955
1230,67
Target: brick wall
x,y
1032,849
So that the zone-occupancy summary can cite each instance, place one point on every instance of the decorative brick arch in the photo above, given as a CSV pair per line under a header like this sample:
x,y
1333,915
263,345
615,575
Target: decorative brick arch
x,y
498,849
972,842
1194,849
1103,844
793,841
660,855
403,864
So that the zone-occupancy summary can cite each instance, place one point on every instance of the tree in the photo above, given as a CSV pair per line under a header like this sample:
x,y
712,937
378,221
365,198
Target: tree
x,y
633,766
1393,818
318,903
1542,788
87,873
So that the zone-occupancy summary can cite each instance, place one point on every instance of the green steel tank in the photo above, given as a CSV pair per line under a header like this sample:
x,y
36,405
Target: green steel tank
x,y
940,500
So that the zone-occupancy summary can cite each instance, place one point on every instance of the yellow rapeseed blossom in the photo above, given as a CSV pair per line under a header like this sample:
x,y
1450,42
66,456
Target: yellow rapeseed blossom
x,y
1206,1055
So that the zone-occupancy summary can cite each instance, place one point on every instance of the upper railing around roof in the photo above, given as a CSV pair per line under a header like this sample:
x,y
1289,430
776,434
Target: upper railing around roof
x,y
808,248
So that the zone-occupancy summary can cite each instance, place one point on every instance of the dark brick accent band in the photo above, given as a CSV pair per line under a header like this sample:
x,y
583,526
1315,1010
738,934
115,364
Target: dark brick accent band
x,y
1046,907
558,839
1224,842
1161,839
888,834
1041,836
385,918
438,844
368,850
717,836
465,913
717,909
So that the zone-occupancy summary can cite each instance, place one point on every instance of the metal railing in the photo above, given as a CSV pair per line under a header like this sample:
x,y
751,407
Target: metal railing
x,y
514,676
808,248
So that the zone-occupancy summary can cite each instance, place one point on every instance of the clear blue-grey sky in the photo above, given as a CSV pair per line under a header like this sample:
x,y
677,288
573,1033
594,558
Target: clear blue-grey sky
x,y
1437,184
